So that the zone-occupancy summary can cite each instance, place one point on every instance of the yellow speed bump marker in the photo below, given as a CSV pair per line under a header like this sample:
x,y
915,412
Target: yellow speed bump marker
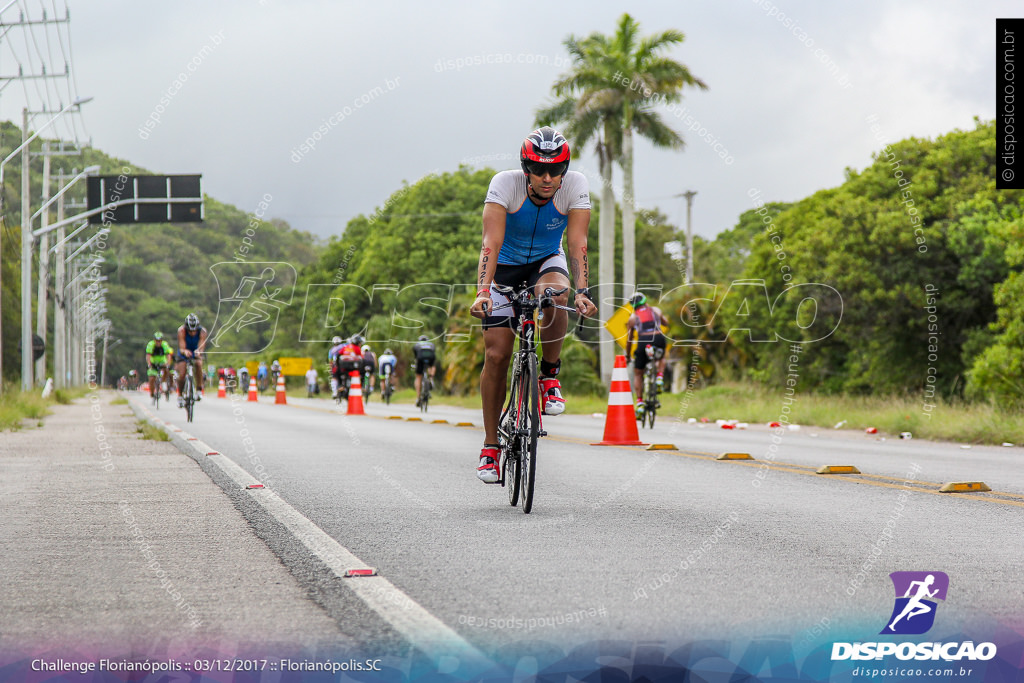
x,y
838,469
414,419
463,424
734,456
964,487
394,417
662,447
439,422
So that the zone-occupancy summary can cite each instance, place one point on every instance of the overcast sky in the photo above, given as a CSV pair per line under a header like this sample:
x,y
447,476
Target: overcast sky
x,y
459,82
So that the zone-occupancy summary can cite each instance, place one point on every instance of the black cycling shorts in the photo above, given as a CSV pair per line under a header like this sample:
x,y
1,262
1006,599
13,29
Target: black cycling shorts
x,y
640,357
424,363
514,276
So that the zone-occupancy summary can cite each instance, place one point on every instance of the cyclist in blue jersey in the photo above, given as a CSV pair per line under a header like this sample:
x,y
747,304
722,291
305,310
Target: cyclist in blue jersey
x,y
332,355
191,343
261,374
526,214
386,360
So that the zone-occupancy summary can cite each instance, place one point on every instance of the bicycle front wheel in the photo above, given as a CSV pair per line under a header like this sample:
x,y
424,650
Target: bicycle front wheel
x,y
189,394
531,429
512,420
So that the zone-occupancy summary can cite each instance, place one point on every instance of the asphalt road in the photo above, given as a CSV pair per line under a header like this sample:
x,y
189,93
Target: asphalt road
x,y
625,543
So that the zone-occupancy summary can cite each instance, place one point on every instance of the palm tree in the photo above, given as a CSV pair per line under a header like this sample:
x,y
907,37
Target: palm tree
x,y
612,90
645,80
593,117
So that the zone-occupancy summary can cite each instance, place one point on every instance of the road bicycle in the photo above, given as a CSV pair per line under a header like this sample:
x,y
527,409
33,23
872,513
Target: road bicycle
x,y
520,426
386,387
426,384
188,394
154,386
343,387
650,384
261,383
365,379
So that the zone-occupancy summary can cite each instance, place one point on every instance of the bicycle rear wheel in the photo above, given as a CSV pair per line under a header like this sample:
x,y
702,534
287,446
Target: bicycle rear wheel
x,y
530,402
650,396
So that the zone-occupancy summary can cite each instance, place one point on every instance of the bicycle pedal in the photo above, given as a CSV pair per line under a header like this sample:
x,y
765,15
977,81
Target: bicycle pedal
x,y
542,433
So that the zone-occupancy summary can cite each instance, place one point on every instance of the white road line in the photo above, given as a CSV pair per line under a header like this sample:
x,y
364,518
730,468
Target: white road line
x,y
422,629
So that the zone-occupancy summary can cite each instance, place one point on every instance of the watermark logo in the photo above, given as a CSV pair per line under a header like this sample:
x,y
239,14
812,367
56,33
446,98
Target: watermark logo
x,y
916,595
251,297
913,614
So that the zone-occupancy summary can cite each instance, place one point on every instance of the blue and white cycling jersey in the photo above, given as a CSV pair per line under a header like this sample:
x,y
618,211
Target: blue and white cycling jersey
x,y
387,360
533,232
335,351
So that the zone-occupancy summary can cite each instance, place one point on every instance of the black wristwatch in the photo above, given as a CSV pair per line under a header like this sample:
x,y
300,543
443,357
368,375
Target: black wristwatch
x,y
585,291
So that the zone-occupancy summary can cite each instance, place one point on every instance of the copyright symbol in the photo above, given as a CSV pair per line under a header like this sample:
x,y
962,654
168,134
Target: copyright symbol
x,y
1007,174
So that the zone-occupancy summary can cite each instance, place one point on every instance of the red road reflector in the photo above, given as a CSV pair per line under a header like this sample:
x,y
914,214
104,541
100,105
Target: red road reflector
x,y
212,453
254,486
351,573
871,430
191,438
774,425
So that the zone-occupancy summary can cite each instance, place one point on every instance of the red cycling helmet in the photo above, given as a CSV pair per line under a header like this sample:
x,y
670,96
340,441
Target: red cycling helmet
x,y
545,150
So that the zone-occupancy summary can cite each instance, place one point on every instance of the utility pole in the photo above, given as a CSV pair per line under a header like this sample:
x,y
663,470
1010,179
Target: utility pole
x,y
60,309
103,367
689,194
42,319
26,259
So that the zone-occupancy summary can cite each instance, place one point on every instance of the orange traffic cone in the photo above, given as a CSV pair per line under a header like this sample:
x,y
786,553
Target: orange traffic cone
x,y
253,394
222,389
620,423
355,394
282,397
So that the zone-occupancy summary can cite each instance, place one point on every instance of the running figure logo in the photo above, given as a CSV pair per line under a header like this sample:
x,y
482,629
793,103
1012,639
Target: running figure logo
x,y
914,612
251,297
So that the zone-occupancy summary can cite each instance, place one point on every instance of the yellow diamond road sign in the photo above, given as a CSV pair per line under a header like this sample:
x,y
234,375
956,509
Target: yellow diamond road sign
x,y
618,324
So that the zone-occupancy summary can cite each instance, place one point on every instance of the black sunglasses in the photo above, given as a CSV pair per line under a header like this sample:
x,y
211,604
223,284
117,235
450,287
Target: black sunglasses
x,y
539,169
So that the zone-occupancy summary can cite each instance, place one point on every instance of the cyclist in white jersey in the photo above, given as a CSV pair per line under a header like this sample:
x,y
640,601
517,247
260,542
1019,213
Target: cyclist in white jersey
x,y
526,214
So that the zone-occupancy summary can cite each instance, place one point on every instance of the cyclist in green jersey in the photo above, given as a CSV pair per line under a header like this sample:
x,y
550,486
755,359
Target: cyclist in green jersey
x,y
158,355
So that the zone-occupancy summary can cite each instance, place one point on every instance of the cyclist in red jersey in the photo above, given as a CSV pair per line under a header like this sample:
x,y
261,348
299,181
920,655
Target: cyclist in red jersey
x,y
526,214
645,324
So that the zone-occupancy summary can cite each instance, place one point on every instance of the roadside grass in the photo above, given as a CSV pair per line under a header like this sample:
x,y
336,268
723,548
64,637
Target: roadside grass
x,y
17,405
979,423
947,421
150,432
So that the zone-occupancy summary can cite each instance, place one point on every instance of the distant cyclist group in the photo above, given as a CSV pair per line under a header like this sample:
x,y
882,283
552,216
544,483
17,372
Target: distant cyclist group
x,y
191,341
353,355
